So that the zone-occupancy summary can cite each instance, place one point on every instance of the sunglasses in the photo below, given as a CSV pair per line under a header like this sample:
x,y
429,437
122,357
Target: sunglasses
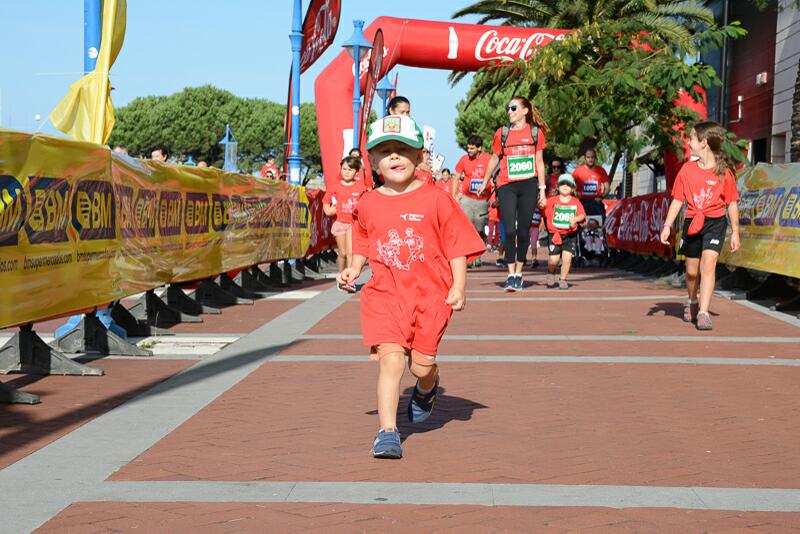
x,y
512,107
556,166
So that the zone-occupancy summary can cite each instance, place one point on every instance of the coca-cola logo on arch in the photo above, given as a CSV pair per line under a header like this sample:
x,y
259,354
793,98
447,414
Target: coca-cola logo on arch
x,y
492,46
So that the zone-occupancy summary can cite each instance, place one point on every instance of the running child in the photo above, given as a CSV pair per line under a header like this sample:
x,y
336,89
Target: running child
x,y
563,213
340,200
707,186
417,240
493,239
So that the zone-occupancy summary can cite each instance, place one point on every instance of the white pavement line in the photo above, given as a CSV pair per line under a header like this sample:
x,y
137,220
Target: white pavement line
x,y
698,338
42,484
191,346
531,495
299,294
513,358
564,298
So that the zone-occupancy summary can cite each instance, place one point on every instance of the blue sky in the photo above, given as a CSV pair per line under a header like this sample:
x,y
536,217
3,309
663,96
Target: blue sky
x,y
238,45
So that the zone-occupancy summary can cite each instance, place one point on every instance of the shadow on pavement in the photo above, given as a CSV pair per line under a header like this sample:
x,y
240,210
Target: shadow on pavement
x,y
448,408
670,309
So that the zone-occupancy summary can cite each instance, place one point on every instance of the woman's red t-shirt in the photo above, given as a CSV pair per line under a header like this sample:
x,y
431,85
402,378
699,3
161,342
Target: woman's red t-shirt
x,y
346,198
704,191
519,161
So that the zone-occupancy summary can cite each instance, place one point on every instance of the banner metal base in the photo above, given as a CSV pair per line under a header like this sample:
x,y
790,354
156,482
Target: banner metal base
x,y
27,353
90,335
150,309
210,293
9,395
230,285
250,282
133,326
178,300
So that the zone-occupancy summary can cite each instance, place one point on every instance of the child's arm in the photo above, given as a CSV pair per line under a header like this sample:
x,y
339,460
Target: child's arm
x,y
577,219
328,209
733,214
456,298
672,214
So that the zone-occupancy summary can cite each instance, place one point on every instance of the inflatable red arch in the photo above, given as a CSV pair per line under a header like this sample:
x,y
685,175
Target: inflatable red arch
x,y
430,45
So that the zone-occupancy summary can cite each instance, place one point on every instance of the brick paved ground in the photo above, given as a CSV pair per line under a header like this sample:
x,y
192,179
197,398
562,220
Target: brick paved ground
x,y
556,423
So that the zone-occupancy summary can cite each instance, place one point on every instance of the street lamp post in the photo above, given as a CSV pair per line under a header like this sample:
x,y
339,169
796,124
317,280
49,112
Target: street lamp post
x,y
296,38
358,47
92,21
385,87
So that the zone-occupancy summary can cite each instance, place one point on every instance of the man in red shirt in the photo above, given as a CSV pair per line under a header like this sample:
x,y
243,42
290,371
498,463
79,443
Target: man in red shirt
x,y
592,184
470,171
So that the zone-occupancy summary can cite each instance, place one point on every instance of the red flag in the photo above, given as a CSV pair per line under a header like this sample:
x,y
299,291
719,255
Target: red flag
x,y
373,75
319,30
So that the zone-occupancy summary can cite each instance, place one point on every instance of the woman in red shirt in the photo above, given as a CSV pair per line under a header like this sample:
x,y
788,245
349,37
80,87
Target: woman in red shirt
x,y
707,186
518,183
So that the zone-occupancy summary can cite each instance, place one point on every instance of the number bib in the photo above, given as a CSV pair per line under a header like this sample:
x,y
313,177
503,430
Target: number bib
x,y
520,167
474,185
590,189
561,216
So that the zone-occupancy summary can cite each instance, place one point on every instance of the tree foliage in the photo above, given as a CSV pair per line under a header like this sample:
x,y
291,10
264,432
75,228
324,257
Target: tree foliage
x,y
611,86
192,122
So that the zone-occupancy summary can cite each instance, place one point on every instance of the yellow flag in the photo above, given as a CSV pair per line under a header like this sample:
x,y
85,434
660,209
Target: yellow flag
x,y
86,112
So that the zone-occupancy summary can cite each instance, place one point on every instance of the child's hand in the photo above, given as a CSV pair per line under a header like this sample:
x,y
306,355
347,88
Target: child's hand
x,y
347,278
542,202
735,241
572,221
456,299
665,233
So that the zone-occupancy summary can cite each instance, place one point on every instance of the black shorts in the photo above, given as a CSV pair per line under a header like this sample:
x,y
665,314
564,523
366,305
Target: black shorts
x,y
711,237
569,243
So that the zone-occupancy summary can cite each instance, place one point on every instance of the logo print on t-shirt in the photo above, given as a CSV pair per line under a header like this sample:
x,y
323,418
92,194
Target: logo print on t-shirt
x,y
401,251
703,198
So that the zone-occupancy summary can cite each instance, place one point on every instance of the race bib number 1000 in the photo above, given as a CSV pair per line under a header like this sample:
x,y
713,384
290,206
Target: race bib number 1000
x,y
521,167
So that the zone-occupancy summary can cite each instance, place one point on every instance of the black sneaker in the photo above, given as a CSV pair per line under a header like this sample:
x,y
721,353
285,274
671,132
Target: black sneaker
x,y
509,285
420,405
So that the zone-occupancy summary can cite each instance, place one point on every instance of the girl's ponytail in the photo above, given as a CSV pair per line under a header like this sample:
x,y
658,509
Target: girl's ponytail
x,y
714,135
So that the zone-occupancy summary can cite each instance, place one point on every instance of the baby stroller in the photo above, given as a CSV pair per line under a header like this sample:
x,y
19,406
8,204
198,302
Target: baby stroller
x,y
592,245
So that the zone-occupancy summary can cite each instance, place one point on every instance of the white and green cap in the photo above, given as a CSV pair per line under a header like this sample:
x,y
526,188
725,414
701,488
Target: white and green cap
x,y
566,179
395,128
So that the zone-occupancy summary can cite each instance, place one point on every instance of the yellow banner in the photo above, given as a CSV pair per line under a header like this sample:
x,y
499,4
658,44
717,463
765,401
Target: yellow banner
x,y
769,206
81,226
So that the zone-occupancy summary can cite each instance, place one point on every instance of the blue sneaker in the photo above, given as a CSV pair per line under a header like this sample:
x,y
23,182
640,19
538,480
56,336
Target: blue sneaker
x,y
420,405
387,445
517,283
509,285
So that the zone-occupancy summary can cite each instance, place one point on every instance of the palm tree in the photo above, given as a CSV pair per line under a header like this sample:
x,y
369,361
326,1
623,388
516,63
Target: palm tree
x,y
674,21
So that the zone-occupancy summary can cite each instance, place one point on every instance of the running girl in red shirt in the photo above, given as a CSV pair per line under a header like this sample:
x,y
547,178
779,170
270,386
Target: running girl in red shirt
x,y
706,186
562,212
417,240
340,200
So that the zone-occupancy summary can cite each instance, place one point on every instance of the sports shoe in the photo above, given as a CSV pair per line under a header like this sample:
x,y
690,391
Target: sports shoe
x,y
500,262
517,283
550,280
690,312
704,321
509,285
420,405
387,445
562,284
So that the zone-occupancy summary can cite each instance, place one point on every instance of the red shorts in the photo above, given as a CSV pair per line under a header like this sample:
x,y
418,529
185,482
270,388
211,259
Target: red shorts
x,y
384,320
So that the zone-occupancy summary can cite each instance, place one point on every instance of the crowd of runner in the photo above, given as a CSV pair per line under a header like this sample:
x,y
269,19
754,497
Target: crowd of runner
x,y
421,229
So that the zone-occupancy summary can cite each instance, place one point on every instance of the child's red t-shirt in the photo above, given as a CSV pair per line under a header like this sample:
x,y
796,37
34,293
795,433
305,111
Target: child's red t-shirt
x,y
519,161
703,191
346,198
474,171
410,240
589,181
557,214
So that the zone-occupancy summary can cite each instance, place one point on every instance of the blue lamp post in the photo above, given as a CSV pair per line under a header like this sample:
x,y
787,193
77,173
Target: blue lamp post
x,y
296,38
92,30
358,47
385,87
231,150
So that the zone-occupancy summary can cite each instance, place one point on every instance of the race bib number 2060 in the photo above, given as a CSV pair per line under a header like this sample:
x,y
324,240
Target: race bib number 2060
x,y
521,167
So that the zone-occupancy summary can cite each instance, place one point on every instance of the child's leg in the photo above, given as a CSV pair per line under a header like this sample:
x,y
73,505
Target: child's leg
x,y
341,251
426,374
692,273
552,263
392,359
566,262
349,247
708,275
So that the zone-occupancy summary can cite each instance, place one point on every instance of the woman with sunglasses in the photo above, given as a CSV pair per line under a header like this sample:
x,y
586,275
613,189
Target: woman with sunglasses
x,y
556,170
518,187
